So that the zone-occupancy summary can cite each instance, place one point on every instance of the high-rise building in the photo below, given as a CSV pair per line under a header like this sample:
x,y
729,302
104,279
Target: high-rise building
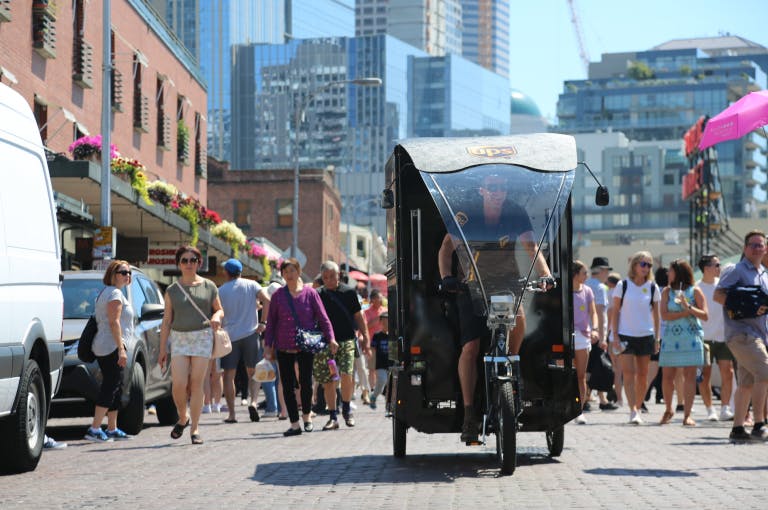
x,y
351,127
485,33
656,96
433,26
210,30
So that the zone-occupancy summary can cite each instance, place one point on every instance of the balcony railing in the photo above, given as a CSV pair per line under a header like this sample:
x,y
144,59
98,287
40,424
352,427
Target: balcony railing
x,y
163,131
44,32
140,113
82,69
201,168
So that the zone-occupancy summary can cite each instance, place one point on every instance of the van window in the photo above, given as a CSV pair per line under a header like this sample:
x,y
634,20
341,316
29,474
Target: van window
x,y
25,204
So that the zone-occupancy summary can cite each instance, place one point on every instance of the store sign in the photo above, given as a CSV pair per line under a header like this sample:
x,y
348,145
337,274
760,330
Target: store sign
x,y
105,243
163,256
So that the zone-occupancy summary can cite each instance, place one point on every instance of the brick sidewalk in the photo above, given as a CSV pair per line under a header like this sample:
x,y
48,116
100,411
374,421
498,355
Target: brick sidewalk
x,y
606,463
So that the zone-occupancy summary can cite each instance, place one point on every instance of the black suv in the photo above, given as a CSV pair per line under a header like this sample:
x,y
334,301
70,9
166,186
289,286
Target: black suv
x,y
144,382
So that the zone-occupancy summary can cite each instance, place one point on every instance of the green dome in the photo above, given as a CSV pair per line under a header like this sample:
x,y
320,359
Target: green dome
x,y
521,104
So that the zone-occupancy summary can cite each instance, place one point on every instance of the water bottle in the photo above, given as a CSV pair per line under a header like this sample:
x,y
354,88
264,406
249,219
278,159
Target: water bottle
x,y
333,369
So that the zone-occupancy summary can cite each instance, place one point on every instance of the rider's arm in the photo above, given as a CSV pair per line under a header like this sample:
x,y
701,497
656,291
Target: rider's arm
x,y
533,251
444,256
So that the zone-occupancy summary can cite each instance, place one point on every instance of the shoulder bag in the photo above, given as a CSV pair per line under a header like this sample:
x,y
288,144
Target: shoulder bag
x,y
85,344
307,340
222,344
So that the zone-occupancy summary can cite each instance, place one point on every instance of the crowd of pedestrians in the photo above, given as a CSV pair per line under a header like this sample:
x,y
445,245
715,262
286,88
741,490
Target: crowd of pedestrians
x,y
684,327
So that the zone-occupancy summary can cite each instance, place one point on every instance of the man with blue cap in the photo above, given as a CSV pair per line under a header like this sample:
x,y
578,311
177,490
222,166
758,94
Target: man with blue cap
x,y
240,297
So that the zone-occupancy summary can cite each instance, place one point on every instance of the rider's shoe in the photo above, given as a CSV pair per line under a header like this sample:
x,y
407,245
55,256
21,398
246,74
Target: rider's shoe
x,y
470,426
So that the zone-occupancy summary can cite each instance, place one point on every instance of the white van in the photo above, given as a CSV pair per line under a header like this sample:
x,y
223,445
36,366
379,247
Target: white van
x,y
31,303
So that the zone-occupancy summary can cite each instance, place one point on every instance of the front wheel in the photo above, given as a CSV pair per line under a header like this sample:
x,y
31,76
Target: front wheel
x,y
556,440
131,417
506,431
22,432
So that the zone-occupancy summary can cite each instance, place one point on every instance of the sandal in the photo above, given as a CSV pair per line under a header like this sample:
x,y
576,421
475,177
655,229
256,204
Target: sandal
x,y
178,430
230,420
668,415
196,439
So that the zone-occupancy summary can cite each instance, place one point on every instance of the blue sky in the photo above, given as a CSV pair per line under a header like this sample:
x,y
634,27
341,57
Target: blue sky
x,y
544,51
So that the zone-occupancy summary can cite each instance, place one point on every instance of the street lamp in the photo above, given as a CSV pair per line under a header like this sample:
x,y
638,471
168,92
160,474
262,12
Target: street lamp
x,y
299,114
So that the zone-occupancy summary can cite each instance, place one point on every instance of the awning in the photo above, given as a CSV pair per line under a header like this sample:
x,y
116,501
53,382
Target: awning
x,y
131,216
358,275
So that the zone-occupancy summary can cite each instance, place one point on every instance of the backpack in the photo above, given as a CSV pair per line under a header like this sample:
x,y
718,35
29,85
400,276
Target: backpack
x,y
624,291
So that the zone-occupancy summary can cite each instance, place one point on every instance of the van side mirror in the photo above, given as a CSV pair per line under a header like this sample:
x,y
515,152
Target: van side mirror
x,y
387,199
602,197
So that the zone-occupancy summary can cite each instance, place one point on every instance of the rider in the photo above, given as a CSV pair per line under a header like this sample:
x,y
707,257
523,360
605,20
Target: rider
x,y
506,223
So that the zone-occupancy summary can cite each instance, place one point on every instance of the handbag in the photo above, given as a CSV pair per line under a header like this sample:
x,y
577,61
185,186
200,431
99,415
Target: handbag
x,y
222,344
307,340
85,344
600,370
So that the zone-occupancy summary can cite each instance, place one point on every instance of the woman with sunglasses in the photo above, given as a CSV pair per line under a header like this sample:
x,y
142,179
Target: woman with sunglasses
x,y
635,327
682,307
114,317
190,336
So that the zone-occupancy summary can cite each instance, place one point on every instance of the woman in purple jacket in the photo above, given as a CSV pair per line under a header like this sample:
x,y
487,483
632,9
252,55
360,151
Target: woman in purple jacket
x,y
280,336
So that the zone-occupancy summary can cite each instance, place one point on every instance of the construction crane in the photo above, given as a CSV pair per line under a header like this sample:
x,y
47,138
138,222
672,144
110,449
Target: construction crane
x,y
579,36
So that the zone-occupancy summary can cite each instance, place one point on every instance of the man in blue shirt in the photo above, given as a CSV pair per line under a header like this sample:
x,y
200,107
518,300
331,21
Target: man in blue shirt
x,y
746,340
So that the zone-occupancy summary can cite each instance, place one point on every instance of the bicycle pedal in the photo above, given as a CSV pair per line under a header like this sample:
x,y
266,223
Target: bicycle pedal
x,y
474,443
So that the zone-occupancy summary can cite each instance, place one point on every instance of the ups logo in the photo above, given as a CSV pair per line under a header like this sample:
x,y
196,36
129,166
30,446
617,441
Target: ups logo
x,y
492,152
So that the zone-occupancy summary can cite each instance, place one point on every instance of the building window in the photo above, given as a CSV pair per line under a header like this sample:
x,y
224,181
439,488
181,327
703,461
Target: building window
x,y
284,209
243,214
669,179
41,116
360,245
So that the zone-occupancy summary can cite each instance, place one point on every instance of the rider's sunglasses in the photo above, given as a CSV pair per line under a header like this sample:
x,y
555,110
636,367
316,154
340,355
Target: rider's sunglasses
x,y
124,272
192,260
494,187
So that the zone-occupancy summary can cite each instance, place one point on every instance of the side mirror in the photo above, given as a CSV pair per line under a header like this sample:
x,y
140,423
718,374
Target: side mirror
x,y
601,196
151,311
387,199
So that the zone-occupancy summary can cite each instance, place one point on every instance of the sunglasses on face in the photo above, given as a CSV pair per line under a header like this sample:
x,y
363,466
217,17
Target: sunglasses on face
x,y
192,260
645,264
756,246
124,272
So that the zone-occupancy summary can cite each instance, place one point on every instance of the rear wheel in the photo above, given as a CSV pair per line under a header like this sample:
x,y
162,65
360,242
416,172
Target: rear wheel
x,y
506,431
556,440
22,432
131,417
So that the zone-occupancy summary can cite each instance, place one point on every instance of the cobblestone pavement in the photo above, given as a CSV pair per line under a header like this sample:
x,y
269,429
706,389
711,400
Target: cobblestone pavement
x,y
606,463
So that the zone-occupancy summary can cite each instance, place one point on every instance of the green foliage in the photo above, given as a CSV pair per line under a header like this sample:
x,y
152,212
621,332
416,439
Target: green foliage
x,y
640,71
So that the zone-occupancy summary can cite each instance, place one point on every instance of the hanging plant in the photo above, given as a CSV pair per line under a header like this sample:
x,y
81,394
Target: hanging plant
x,y
87,146
162,192
136,173
230,233
189,212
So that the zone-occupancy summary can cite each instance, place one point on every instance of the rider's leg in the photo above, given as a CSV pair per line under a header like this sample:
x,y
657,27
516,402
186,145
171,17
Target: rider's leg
x,y
468,370
517,333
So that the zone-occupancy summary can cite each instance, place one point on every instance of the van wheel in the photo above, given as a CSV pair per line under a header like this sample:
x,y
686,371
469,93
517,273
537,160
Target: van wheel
x,y
166,411
131,418
22,433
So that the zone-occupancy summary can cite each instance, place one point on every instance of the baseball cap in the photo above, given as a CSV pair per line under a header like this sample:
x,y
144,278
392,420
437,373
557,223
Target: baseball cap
x,y
233,266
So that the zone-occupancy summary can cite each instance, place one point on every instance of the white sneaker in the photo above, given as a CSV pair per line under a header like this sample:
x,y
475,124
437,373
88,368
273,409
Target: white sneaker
x,y
352,405
711,414
634,417
269,414
244,402
223,408
726,414
206,409
581,420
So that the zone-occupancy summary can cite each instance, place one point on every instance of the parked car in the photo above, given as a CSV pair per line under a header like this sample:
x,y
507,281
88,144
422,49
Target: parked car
x,y
145,383
31,351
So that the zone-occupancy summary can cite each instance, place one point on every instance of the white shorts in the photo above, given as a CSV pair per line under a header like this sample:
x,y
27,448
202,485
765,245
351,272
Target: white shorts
x,y
581,341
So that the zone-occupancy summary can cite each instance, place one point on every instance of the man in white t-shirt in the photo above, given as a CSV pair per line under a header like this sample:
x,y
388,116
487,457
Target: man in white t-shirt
x,y
240,299
715,347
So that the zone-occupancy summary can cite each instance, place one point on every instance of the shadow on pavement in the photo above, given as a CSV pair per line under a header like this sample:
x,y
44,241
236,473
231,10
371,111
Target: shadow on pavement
x,y
654,473
367,469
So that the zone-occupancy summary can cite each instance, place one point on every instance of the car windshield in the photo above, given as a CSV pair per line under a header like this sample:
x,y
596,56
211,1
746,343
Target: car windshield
x,y
497,217
80,296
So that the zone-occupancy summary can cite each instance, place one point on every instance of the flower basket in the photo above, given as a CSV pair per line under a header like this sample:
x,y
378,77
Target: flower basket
x,y
230,233
136,174
162,192
88,147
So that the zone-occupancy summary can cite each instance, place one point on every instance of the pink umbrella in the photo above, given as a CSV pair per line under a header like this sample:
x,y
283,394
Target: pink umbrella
x,y
359,276
745,115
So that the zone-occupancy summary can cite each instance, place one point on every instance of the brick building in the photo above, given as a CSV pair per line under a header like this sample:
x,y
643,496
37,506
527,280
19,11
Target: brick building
x,y
51,52
261,203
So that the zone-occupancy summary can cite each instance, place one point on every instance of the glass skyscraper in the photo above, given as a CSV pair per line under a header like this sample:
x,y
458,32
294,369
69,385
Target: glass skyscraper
x,y
656,96
485,33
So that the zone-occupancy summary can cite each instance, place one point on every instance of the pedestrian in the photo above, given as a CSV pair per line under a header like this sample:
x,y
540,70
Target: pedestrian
x,y
584,328
683,306
193,314
715,348
599,271
380,355
114,317
303,302
240,299
371,316
635,327
343,308
746,339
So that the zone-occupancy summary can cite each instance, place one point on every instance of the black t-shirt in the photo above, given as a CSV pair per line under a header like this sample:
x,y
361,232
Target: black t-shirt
x,y
342,321
380,342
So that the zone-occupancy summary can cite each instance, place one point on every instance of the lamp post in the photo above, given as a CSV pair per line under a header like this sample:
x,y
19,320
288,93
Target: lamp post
x,y
299,115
